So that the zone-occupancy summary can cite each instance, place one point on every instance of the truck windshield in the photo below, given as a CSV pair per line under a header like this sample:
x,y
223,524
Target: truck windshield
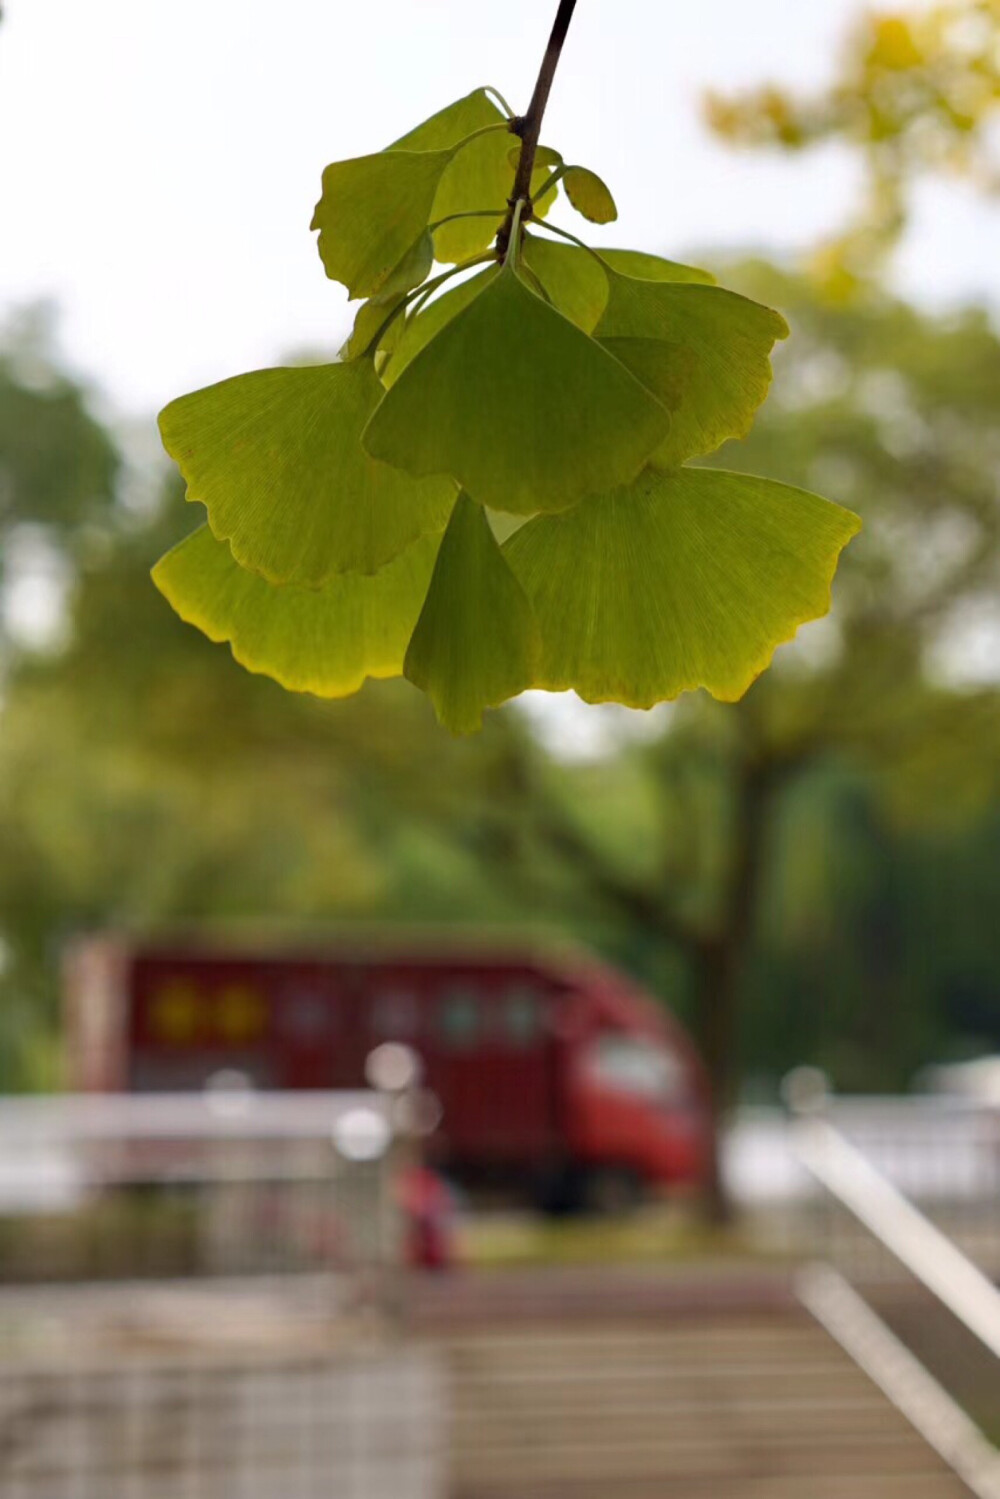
x,y
644,1069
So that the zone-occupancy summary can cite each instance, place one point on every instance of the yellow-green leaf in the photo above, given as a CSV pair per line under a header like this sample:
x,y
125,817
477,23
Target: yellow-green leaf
x,y
452,124
424,325
276,458
589,195
476,641
545,157
372,315
518,405
321,640
727,341
573,280
372,213
475,178
684,579
479,177
653,267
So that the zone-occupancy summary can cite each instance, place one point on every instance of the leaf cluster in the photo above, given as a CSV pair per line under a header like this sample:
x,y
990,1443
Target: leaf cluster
x,y
491,490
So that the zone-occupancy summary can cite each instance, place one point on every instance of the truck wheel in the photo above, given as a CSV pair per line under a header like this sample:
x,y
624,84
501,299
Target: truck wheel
x,y
613,1191
560,1191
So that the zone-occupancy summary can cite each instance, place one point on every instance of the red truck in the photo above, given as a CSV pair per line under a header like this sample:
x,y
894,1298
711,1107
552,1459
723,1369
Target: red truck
x,y
554,1072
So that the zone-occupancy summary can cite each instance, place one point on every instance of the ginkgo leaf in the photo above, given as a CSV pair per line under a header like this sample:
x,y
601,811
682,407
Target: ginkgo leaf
x,y
573,279
545,156
668,370
456,122
728,341
412,269
424,325
480,176
684,579
518,405
653,267
373,315
321,640
276,458
476,641
372,212
589,195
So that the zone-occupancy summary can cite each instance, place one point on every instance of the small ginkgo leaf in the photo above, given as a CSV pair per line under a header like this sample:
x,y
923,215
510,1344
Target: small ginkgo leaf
x,y
373,315
476,642
573,279
372,213
728,340
518,405
653,267
545,156
684,579
589,195
321,640
426,324
276,458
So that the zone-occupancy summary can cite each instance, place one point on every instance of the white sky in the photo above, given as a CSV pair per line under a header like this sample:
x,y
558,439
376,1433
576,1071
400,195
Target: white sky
x,y
159,161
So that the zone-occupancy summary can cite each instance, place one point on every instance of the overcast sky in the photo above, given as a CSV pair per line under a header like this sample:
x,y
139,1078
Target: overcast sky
x,y
159,161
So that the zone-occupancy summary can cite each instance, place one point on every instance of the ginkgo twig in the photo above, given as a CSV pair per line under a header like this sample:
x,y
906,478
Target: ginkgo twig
x,y
529,126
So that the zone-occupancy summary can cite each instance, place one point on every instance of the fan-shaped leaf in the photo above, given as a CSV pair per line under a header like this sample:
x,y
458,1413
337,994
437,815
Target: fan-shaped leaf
x,y
653,267
684,579
276,457
573,279
518,405
322,640
424,325
452,124
589,195
730,339
373,211
476,641
480,176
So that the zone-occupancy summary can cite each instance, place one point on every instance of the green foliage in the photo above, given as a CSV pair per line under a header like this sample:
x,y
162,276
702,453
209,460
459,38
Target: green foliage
x,y
324,640
684,578
476,642
555,380
276,458
589,195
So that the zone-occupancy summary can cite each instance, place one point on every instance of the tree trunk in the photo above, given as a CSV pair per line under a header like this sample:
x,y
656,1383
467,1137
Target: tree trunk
x,y
720,962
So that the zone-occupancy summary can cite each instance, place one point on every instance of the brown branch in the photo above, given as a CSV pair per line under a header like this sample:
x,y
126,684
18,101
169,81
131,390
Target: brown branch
x,y
529,126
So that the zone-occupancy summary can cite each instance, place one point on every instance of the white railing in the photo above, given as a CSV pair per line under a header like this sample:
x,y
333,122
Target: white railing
x,y
227,1181
889,1222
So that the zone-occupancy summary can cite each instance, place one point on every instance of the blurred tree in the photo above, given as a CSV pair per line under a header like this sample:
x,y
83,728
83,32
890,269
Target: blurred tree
x,y
59,467
918,91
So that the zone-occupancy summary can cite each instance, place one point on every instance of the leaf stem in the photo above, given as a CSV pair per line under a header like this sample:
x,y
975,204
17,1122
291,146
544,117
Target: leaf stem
x,y
472,213
424,289
529,126
580,243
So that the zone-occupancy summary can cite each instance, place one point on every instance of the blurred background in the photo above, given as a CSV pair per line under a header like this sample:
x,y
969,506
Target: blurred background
x,y
811,876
